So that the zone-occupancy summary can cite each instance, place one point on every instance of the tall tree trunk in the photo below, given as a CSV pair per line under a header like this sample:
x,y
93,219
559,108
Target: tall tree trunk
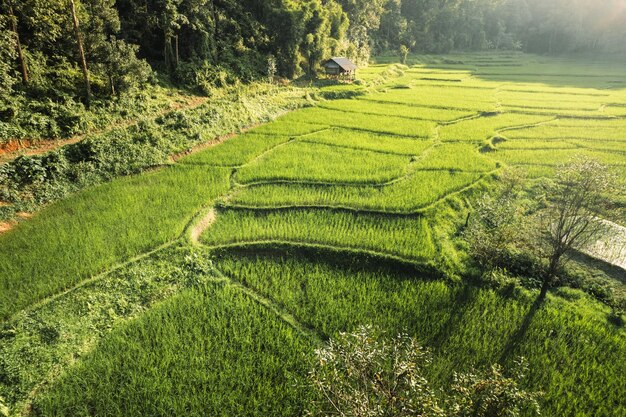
x,y
166,53
81,52
549,275
176,56
544,288
112,85
20,54
214,44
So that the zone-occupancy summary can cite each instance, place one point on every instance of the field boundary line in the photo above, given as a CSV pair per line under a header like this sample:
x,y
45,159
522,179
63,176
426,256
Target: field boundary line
x,y
271,305
95,278
528,125
321,183
378,132
321,207
290,139
184,236
55,371
313,141
554,92
561,115
426,106
421,119
417,212
414,262
406,175
461,119
201,222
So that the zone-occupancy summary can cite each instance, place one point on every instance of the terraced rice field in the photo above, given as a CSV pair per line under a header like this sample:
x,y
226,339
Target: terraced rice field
x,y
209,284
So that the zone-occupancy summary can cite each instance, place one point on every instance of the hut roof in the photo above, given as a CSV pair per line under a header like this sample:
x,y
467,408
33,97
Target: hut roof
x,y
344,63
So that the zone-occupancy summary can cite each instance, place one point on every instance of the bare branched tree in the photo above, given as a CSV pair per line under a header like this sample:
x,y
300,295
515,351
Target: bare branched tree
x,y
573,215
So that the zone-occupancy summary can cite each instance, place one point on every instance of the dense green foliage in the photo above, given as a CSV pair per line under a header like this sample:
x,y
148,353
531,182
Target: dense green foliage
x,y
365,371
532,25
56,56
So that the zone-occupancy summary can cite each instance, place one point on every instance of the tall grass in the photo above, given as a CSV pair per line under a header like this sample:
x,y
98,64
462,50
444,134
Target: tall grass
x,y
90,231
560,156
391,109
404,237
207,352
548,100
383,124
51,336
418,190
550,131
369,141
452,97
455,157
282,127
301,161
236,151
482,128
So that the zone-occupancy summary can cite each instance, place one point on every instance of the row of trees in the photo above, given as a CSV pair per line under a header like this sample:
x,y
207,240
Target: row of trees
x,y
539,26
102,47
56,48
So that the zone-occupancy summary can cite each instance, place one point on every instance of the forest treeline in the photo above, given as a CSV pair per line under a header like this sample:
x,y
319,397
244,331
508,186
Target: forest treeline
x,y
84,48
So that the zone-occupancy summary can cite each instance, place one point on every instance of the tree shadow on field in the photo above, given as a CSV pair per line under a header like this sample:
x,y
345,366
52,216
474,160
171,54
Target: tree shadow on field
x,y
519,335
463,300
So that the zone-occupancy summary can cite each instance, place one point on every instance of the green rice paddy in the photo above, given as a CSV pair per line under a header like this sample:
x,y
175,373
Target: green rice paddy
x,y
342,214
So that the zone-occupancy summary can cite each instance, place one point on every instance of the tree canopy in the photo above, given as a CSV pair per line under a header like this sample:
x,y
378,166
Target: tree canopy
x,y
202,43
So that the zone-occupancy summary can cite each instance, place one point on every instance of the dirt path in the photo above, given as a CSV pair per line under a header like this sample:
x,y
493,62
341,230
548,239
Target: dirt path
x,y
16,147
204,223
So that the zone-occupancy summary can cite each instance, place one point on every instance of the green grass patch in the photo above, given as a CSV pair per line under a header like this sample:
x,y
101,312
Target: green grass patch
x,y
404,237
369,141
303,161
455,157
213,351
549,131
382,124
454,98
556,157
236,151
552,100
392,109
482,128
92,230
418,190
536,144
281,128
548,111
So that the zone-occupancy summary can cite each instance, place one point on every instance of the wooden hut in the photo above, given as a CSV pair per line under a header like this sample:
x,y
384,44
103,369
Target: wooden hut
x,y
340,67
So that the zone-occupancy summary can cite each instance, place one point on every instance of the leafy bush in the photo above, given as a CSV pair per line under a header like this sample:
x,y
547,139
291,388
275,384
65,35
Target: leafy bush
x,y
362,374
203,77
